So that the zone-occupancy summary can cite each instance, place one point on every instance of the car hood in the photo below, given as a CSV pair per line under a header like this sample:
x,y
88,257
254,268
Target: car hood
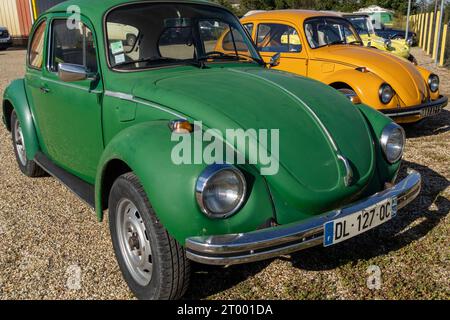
x,y
402,75
310,175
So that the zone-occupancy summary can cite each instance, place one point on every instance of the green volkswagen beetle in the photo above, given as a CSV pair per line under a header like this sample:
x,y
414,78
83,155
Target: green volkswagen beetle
x,y
196,154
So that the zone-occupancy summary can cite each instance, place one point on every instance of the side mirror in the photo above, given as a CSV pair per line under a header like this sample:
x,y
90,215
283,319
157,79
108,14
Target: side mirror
x,y
68,72
275,60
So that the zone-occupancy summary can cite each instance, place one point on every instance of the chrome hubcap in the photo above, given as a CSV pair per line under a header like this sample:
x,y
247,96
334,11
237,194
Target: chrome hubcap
x,y
134,242
20,143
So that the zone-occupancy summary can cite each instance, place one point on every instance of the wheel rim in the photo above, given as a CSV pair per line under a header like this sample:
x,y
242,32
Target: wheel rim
x,y
134,242
19,143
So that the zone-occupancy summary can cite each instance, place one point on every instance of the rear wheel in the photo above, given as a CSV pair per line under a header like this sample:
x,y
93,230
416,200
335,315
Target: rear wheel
x,y
28,167
153,264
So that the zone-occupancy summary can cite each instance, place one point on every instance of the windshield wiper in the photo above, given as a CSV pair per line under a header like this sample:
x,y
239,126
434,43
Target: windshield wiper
x,y
356,42
336,42
220,55
161,60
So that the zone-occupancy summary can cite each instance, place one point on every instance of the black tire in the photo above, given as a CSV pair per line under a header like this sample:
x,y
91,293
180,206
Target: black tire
x,y
28,167
170,272
412,59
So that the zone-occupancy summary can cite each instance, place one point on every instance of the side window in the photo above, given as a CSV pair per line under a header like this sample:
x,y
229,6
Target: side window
x,y
274,37
36,51
72,45
249,27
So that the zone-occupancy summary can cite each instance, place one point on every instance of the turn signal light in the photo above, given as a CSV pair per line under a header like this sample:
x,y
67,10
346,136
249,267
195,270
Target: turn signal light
x,y
181,126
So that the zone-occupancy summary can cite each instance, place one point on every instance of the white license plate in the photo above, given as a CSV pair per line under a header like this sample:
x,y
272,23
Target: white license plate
x,y
359,222
4,40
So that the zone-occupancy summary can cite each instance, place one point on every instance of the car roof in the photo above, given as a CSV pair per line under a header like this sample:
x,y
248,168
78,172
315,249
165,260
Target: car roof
x,y
355,15
291,14
92,6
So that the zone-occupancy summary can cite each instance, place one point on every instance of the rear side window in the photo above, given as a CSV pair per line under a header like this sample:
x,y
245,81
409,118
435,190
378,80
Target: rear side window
x,y
74,45
36,51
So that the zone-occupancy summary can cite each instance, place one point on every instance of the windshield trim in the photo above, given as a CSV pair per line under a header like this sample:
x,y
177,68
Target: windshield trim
x,y
358,38
185,2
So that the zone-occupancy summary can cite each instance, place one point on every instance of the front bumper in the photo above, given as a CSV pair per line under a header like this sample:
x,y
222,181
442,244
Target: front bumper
x,y
420,111
271,242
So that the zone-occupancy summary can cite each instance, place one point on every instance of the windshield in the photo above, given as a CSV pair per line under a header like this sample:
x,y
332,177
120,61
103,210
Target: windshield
x,y
326,31
363,25
142,36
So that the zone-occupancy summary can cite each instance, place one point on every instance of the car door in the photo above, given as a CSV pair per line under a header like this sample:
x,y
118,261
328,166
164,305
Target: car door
x,y
33,77
71,111
281,37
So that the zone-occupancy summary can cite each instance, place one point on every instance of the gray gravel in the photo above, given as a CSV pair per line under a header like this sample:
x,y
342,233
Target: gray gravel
x,y
52,247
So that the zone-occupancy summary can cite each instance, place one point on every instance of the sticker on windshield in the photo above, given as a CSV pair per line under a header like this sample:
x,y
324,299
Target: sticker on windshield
x,y
116,47
119,58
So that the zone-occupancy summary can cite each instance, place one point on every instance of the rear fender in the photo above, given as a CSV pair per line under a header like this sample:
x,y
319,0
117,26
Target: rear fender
x,y
16,97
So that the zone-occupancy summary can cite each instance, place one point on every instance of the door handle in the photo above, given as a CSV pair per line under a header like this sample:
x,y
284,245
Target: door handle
x,y
45,90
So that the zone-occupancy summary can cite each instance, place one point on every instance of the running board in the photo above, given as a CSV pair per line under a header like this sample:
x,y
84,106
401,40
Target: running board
x,y
81,188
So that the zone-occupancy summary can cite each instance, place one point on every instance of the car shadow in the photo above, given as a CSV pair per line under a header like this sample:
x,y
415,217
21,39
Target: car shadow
x,y
209,280
413,223
435,125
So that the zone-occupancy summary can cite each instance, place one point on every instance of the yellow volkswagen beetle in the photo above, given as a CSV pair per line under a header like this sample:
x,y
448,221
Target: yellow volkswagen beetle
x,y
366,31
326,47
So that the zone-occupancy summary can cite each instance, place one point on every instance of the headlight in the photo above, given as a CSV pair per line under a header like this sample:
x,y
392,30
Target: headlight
x,y
433,82
220,190
392,142
386,93
387,43
409,42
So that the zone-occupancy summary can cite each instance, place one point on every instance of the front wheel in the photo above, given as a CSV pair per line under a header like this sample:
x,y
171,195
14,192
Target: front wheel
x,y
28,167
153,264
412,59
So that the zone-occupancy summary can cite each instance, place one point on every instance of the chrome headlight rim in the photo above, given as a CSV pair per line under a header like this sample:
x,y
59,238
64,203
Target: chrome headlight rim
x,y
388,43
409,42
381,90
430,81
202,181
385,135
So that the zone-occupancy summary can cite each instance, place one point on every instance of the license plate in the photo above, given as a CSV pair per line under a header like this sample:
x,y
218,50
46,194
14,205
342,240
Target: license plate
x,y
4,40
430,111
359,222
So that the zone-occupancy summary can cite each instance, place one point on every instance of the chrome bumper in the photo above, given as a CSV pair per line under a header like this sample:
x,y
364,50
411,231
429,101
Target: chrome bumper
x,y
271,242
425,110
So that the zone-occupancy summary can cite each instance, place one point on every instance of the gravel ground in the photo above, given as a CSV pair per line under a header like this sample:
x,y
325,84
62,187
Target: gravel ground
x,y
52,247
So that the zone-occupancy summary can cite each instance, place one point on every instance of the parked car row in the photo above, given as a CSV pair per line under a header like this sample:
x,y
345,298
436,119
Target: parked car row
x,y
5,38
107,114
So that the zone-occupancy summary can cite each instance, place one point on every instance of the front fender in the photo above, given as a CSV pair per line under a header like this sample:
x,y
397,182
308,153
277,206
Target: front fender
x,y
426,74
146,148
365,84
377,121
15,95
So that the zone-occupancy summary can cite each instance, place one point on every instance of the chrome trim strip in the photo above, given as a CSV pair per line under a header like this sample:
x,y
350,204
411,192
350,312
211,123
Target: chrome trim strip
x,y
271,242
349,177
131,98
119,95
